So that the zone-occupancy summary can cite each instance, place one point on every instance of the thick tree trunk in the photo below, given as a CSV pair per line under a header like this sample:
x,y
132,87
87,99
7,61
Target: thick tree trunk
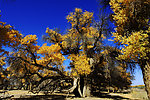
x,y
81,87
146,77
86,91
76,87
85,87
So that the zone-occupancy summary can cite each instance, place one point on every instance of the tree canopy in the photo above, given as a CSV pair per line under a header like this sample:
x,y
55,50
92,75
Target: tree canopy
x,y
41,67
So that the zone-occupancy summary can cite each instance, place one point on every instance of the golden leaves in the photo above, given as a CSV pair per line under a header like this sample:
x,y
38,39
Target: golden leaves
x,y
81,36
8,37
2,61
78,10
54,36
81,63
134,40
135,45
49,49
80,17
50,53
29,39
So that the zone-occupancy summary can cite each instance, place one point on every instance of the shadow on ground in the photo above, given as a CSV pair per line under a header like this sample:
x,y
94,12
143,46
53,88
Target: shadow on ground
x,y
107,95
63,97
42,97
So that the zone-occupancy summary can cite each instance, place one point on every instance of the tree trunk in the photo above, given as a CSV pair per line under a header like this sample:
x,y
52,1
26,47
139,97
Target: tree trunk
x,y
85,87
76,87
30,88
81,87
146,77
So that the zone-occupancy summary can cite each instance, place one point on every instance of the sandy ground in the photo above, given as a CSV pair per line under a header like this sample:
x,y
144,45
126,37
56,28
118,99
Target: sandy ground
x,y
25,95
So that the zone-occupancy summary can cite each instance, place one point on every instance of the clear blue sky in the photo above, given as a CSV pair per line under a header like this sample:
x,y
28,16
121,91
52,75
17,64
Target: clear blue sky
x,y
34,16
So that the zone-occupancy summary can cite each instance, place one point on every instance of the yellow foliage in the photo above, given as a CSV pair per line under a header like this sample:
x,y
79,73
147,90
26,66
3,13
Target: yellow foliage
x,y
135,43
81,63
74,74
29,39
55,37
84,18
50,53
81,35
23,80
2,62
8,37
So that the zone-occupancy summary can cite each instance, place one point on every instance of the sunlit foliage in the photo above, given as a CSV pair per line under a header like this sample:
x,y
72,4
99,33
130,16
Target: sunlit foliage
x,y
8,37
80,39
81,63
31,65
133,32
132,29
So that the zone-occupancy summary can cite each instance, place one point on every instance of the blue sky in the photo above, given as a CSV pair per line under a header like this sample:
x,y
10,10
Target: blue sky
x,y
34,16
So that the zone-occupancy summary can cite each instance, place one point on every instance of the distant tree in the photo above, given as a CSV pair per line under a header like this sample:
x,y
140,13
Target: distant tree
x,y
106,15
110,72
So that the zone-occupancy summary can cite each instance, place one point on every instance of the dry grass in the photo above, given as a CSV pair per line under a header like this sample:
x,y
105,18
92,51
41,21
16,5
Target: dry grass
x,y
139,94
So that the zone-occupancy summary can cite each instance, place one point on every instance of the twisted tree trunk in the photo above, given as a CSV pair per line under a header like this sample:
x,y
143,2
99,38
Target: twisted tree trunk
x,y
146,76
76,87
81,87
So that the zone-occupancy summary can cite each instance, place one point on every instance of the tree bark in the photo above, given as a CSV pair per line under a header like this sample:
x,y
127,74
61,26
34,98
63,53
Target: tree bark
x,y
86,88
76,87
81,87
146,77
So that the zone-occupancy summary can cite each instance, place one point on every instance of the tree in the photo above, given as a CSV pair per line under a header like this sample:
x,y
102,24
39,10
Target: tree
x,y
132,31
28,65
110,73
79,44
9,37
82,44
42,67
